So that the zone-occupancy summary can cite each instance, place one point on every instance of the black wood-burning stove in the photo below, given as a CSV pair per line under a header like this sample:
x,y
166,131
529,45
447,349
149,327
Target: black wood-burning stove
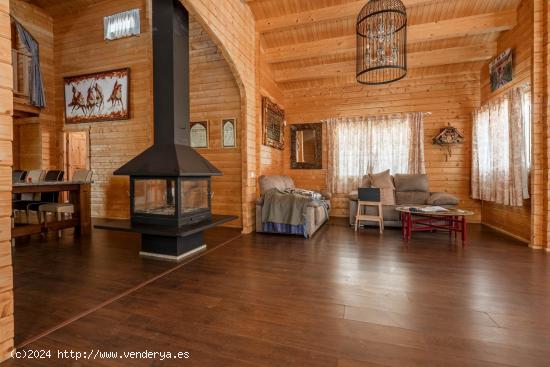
x,y
170,188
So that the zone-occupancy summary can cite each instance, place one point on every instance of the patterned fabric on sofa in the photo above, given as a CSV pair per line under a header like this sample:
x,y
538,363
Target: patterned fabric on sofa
x,y
316,214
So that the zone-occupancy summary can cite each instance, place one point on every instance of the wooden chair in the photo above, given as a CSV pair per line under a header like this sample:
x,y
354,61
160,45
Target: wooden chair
x,y
17,176
47,197
63,209
369,197
22,202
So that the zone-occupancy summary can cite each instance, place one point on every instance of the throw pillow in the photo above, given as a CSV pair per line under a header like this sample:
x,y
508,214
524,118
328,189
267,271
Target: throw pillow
x,y
365,182
442,198
383,180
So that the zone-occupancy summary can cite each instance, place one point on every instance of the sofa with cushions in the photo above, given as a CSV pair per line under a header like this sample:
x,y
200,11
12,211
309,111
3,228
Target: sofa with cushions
x,y
399,190
316,211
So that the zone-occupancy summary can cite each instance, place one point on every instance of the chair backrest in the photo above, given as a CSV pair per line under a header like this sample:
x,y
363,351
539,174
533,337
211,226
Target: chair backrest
x,y
54,175
18,175
36,175
371,194
83,175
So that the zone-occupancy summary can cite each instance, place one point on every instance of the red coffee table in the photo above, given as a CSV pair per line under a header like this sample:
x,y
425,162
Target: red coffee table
x,y
413,219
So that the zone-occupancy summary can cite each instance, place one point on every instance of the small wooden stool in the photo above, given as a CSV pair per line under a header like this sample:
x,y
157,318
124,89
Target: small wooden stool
x,y
371,218
369,196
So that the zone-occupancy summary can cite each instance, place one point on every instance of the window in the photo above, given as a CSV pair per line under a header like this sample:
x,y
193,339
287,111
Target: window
x,y
501,156
358,146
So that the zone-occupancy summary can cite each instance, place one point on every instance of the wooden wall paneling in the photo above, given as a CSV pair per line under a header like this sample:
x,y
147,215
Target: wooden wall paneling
x,y
29,143
215,96
546,113
270,159
39,148
539,195
450,98
513,220
80,49
15,148
230,25
6,137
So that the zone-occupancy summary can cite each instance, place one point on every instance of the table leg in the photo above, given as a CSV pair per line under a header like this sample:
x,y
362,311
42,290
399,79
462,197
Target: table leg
x,y
85,209
81,201
409,226
455,226
402,225
463,225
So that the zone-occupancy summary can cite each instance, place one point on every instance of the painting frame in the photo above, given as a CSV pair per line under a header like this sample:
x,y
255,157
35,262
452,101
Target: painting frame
x,y
206,125
124,74
317,128
225,144
501,70
273,124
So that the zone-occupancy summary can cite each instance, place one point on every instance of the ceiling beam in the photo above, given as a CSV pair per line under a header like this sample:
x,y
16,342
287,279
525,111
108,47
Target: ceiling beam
x,y
457,27
323,14
445,56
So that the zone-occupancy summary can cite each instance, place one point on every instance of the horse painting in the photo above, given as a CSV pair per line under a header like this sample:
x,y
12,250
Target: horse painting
x,y
85,100
116,95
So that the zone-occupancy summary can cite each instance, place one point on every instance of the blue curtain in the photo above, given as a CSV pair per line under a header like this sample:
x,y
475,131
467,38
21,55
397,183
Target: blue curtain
x,y
36,84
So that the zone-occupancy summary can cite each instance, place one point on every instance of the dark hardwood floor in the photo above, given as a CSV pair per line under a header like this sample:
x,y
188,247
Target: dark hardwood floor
x,y
342,299
57,279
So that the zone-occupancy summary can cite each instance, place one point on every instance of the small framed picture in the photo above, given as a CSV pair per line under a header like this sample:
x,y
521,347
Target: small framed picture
x,y
199,134
229,133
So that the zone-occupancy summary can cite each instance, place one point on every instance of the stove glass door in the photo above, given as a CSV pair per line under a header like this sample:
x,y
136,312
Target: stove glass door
x,y
155,196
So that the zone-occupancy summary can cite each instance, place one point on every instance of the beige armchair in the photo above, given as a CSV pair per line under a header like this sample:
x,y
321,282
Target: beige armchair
x,y
316,214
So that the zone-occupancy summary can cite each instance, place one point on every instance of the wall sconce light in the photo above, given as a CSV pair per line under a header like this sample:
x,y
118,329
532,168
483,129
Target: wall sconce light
x,y
122,25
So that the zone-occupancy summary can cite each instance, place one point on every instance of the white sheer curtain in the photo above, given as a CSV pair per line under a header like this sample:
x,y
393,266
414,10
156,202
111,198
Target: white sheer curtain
x,y
501,148
362,145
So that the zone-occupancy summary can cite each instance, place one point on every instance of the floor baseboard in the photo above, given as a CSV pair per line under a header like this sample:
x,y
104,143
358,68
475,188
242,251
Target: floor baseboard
x,y
510,235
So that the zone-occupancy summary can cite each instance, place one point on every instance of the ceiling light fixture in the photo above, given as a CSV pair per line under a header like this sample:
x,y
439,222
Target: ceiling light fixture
x,y
381,42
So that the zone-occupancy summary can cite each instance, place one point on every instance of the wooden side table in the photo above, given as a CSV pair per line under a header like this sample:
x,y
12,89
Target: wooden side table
x,y
371,218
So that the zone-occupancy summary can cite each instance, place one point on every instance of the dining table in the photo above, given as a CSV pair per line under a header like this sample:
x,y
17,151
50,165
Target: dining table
x,y
79,194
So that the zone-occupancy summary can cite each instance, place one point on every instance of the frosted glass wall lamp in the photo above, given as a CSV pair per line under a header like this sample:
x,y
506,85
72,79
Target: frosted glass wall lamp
x,y
121,25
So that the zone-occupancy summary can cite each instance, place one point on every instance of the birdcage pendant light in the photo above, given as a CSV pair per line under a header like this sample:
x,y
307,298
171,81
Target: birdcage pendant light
x,y
381,42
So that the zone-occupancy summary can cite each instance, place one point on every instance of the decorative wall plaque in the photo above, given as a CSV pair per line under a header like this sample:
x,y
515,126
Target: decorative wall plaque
x,y
273,118
229,133
199,134
501,70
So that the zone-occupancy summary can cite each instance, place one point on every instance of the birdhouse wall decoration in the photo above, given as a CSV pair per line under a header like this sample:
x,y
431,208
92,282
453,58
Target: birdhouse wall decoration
x,y
447,138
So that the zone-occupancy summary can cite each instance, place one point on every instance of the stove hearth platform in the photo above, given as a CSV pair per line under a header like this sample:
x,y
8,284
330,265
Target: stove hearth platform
x,y
167,242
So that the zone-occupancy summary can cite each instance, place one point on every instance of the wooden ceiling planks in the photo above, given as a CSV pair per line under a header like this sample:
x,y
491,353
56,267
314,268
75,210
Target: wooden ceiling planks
x,y
345,10
445,56
450,28
310,33
315,39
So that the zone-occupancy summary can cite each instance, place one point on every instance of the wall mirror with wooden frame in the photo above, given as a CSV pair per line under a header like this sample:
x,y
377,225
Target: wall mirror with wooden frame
x,y
306,146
